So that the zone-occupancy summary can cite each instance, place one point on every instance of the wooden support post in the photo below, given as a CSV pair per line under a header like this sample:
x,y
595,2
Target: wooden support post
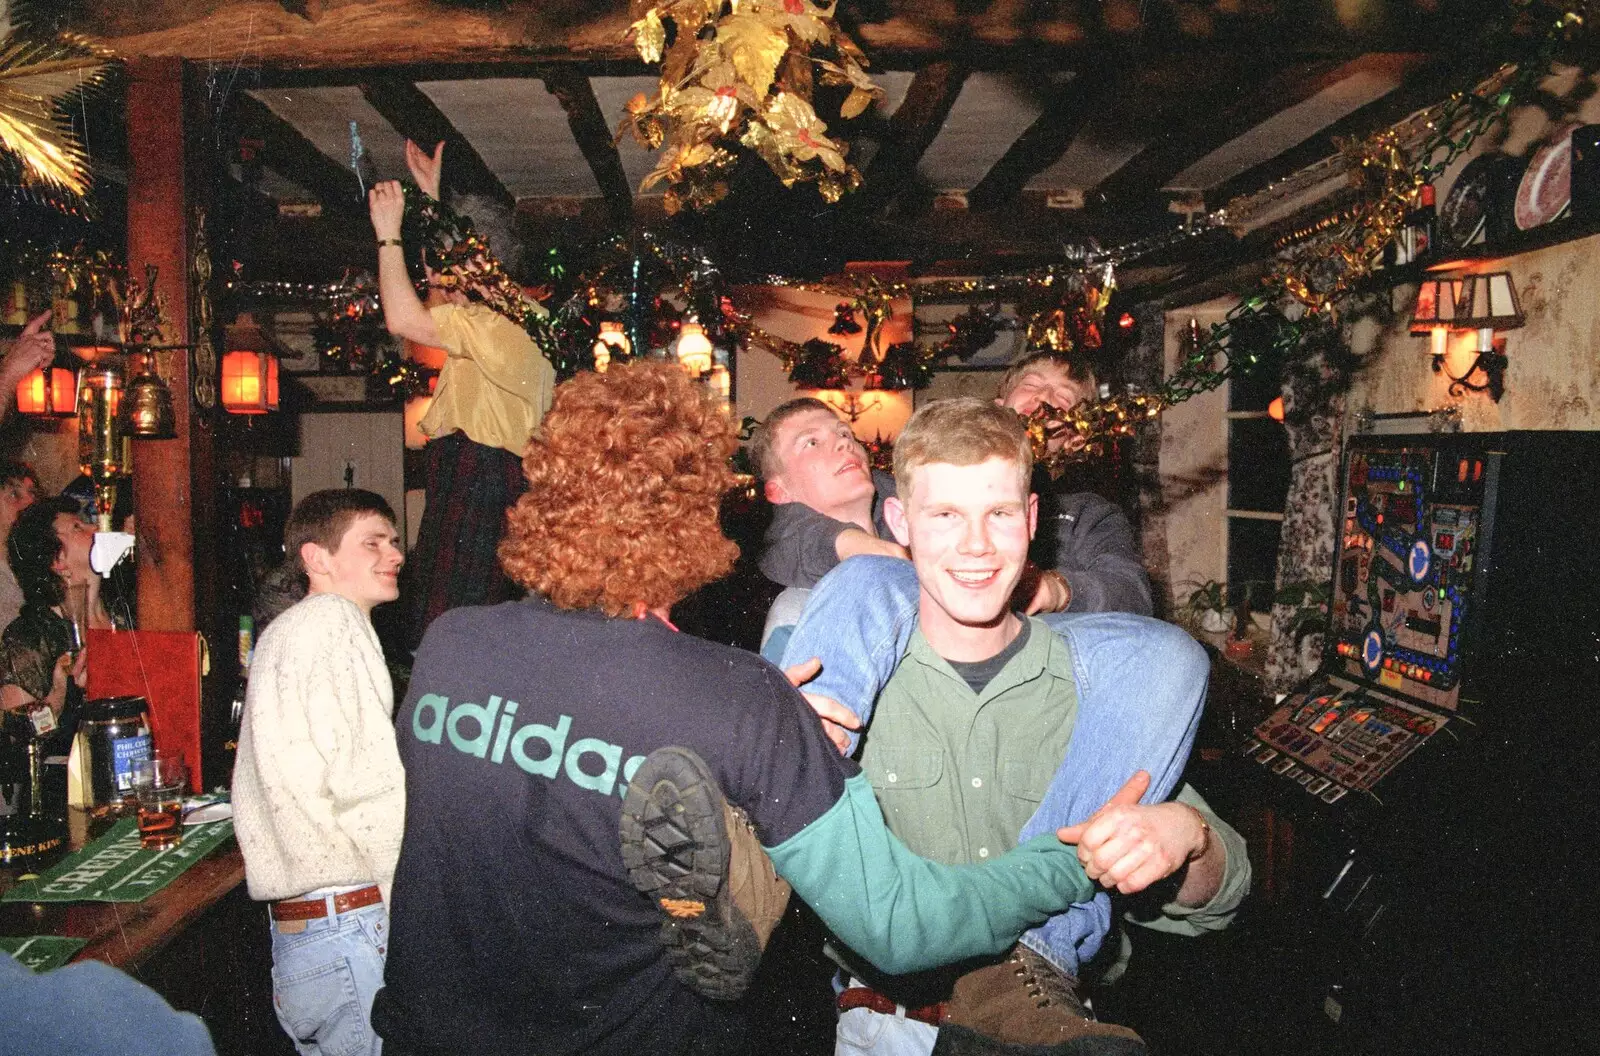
x,y
174,487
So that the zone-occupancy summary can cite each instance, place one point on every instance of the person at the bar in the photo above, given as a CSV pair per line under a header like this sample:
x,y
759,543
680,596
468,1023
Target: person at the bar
x,y
518,918
19,487
44,655
44,660
318,794
493,388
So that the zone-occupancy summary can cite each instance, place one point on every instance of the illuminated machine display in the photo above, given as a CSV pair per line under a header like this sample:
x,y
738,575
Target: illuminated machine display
x,y
1410,537
1424,790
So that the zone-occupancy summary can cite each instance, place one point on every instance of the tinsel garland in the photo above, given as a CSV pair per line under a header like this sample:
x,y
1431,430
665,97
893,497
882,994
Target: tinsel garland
x,y
1316,276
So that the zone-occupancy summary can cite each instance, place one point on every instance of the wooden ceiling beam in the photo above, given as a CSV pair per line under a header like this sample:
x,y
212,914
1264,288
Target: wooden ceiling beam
x,y
1199,123
593,135
292,156
1067,108
412,114
357,34
912,129
1428,82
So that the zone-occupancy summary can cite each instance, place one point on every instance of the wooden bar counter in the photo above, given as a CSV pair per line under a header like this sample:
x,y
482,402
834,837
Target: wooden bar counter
x,y
200,942
126,934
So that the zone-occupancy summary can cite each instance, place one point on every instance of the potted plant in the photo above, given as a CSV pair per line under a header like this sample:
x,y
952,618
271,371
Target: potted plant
x,y
1207,607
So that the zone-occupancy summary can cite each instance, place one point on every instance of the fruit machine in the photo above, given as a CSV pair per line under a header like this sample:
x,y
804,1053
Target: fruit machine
x,y
1423,787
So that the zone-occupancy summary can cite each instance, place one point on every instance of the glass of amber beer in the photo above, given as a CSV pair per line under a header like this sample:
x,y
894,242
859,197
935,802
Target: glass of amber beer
x,y
160,783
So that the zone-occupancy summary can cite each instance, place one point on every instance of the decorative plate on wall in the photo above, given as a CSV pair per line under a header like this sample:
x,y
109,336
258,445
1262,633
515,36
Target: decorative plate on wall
x,y
1546,188
1466,208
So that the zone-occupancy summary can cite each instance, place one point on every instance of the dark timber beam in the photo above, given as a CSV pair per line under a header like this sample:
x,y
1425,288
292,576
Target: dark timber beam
x,y
292,156
1198,123
358,34
593,134
411,113
1428,82
1067,107
912,130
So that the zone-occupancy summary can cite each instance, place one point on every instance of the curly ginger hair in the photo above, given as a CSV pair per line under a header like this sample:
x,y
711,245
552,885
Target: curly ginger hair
x,y
626,475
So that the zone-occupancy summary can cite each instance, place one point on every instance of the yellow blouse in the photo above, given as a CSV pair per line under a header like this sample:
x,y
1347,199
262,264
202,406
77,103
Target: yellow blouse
x,y
495,385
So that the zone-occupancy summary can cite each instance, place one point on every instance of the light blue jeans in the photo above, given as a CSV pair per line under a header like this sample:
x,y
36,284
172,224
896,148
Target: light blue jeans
x,y
324,980
1141,684
863,1032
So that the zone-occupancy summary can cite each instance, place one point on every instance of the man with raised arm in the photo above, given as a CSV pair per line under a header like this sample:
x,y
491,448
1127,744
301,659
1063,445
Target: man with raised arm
x,y
494,386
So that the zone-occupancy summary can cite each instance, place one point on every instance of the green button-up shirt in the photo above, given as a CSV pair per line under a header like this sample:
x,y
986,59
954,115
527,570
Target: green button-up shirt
x,y
959,773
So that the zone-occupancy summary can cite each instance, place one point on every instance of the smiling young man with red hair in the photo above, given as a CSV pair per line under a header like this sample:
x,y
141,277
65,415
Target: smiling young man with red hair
x,y
986,734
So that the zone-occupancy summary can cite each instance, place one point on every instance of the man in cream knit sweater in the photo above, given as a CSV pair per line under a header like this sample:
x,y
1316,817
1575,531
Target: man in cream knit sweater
x,y
318,791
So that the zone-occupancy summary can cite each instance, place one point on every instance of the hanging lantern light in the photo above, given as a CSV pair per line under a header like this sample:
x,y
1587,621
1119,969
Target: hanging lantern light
x,y
694,348
51,393
249,370
613,339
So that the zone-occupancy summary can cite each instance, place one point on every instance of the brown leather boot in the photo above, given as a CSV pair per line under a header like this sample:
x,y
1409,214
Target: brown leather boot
x,y
1025,1001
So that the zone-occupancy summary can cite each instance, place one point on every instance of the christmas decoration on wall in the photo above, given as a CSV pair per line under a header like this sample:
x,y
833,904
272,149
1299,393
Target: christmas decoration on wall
x,y
1312,277
743,75
351,295
39,154
844,320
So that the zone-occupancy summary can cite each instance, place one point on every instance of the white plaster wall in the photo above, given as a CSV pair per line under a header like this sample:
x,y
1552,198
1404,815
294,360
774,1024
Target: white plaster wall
x,y
1194,466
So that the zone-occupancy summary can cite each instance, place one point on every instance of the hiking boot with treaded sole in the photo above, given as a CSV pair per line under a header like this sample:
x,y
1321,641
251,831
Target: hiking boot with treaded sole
x,y
675,846
1023,1005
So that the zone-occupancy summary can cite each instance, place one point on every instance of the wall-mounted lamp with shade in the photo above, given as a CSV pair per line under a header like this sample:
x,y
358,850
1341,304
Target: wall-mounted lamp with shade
x,y
1436,314
1488,304
48,393
694,348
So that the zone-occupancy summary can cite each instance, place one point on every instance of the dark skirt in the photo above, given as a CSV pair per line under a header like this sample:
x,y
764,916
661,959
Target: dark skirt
x,y
470,487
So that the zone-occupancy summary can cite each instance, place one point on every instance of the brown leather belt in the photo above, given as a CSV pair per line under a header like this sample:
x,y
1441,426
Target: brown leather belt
x,y
865,997
312,908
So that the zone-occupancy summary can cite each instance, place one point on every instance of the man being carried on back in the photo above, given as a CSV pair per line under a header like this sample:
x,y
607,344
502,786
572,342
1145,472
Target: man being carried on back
x,y
517,923
993,727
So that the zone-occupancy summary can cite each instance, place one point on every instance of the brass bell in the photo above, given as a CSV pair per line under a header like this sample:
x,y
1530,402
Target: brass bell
x,y
147,404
